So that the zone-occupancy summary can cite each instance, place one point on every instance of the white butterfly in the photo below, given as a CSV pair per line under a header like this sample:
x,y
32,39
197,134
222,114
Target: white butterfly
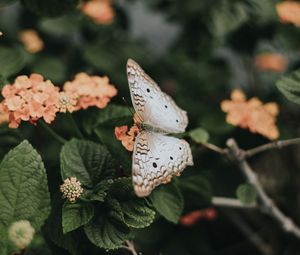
x,y
156,156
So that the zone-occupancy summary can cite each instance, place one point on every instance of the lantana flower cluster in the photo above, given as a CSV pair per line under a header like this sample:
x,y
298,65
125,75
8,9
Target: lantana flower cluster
x,y
71,189
31,40
289,12
274,62
91,90
21,233
32,98
29,99
100,11
252,114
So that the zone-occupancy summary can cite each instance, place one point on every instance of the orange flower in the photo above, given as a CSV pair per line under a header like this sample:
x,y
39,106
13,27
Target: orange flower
x,y
29,99
91,90
251,114
289,12
31,40
127,137
121,132
100,11
274,62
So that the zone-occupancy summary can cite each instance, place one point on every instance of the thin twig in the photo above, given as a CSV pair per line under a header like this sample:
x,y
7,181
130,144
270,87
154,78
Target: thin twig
x,y
267,205
215,148
272,145
253,237
130,247
231,202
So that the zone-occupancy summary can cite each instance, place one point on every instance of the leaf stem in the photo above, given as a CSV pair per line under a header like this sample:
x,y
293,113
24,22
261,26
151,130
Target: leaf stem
x,y
75,126
56,136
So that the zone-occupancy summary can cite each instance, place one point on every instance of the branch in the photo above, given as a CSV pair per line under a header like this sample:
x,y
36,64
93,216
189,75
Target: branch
x,y
273,145
253,237
267,204
130,247
215,148
231,202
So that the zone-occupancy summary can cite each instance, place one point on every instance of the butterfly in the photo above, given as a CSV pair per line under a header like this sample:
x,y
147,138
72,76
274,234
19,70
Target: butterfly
x,y
156,157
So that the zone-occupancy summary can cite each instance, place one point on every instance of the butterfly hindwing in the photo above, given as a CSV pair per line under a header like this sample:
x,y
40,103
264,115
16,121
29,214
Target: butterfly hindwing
x,y
156,158
154,107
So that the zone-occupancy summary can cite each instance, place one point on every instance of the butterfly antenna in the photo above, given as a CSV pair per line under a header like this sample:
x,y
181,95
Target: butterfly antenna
x,y
140,120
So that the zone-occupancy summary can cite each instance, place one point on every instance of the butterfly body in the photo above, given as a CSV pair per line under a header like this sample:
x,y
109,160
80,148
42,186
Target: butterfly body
x,y
156,156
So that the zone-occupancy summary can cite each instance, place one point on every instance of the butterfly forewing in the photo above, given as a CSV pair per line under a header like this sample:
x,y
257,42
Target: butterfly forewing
x,y
156,158
154,107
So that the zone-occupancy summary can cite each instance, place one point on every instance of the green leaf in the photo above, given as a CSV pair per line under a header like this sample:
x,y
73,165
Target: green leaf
x,y
3,82
23,187
38,246
51,68
107,136
12,60
50,7
246,193
89,162
3,240
76,215
108,230
60,26
289,86
168,201
197,190
6,2
54,228
228,16
100,191
99,51
263,11
199,135
137,213
112,115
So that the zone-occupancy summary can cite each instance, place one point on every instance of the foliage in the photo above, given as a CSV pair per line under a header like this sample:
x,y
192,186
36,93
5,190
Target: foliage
x,y
290,86
246,193
197,52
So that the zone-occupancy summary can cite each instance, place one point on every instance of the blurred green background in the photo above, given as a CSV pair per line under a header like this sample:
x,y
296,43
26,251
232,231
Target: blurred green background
x,y
198,51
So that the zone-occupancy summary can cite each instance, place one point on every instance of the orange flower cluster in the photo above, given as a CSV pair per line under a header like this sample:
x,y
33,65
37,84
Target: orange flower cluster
x,y
31,40
253,114
127,137
289,12
193,217
32,98
274,62
29,99
91,90
100,11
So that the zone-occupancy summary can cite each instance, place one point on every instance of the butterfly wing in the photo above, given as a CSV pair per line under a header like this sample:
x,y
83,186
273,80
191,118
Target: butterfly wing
x,y
156,158
154,107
